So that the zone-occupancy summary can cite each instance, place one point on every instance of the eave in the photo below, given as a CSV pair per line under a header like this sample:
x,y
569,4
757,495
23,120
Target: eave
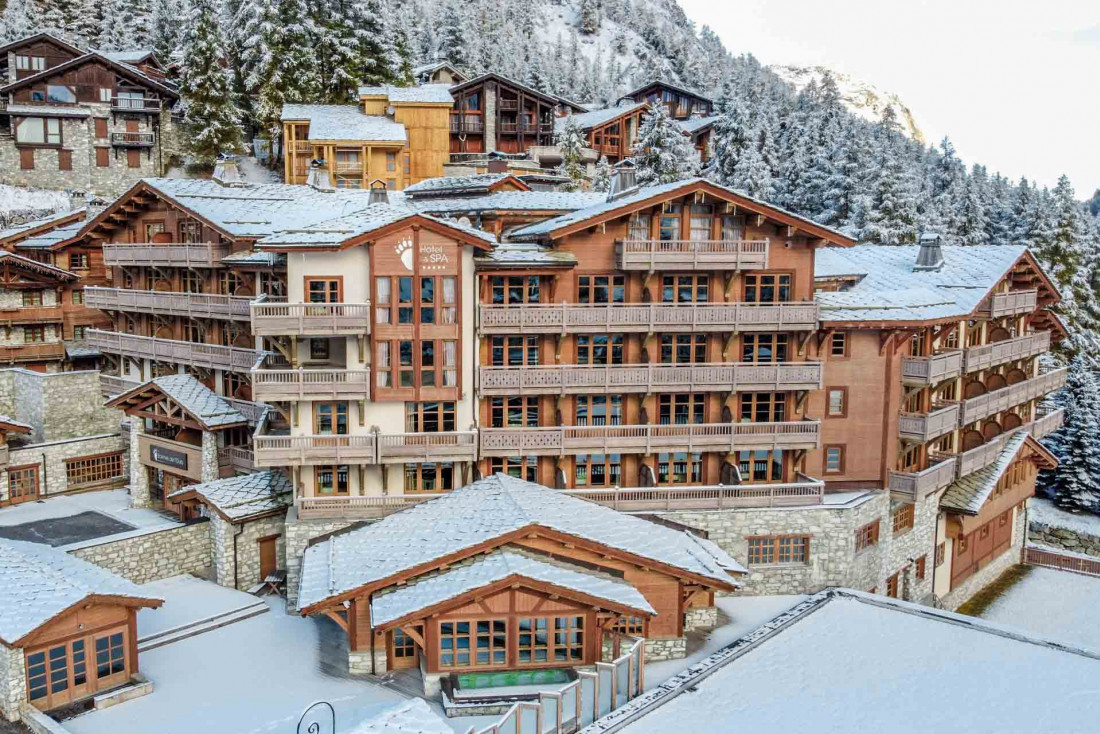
x,y
125,601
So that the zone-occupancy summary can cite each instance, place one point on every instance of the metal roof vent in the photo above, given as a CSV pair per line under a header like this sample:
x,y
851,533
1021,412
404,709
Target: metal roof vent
x,y
930,255
378,193
623,182
226,171
318,177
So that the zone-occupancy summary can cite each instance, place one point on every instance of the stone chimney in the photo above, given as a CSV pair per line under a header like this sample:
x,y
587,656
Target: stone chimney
x,y
930,255
497,165
318,177
94,206
378,193
226,171
622,182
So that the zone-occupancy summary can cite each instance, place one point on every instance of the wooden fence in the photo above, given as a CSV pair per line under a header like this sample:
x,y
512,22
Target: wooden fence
x,y
1065,562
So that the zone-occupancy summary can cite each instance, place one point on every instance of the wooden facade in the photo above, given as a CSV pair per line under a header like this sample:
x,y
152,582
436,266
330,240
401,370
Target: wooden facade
x,y
494,113
681,103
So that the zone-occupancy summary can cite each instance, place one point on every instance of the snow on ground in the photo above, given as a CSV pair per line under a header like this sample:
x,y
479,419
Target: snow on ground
x,y
252,677
855,666
252,171
187,599
113,503
1052,603
1044,512
17,198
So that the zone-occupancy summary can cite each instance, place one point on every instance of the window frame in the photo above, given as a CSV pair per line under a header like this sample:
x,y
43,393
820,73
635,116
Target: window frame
x,y
838,345
767,550
902,518
843,412
754,285
841,450
867,536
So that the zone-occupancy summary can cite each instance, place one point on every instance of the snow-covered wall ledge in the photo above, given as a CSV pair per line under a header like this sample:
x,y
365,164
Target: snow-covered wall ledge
x,y
1050,526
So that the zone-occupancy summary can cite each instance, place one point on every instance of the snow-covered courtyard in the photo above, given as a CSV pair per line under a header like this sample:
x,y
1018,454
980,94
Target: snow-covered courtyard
x,y
1055,604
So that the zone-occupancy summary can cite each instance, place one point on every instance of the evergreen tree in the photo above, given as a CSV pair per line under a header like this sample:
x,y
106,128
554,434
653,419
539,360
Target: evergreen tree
x,y
972,221
572,142
663,153
212,120
1075,483
452,36
892,219
20,19
602,180
590,16
165,29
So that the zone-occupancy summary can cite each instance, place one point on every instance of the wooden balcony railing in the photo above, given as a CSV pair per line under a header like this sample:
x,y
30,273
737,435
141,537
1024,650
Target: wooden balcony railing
x,y
192,354
565,379
1010,304
923,371
32,315
508,104
709,497
472,125
924,427
914,486
253,411
305,450
312,508
982,456
179,255
299,147
135,104
273,385
704,255
111,385
189,305
34,352
414,447
237,458
566,318
982,406
997,353
647,439
355,167
133,140
305,319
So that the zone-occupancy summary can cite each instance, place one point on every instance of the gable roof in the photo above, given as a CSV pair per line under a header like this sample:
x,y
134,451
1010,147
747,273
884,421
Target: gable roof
x,y
667,85
967,495
43,225
417,94
207,408
481,513
37,37
429,590
598,118
344,122
490,76
696,124
436,66
40,582
523,255
647,196
10,425
478,183
243,497
11,259
132,72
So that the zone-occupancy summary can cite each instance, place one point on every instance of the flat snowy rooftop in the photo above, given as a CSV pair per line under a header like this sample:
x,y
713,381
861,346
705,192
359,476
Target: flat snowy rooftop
x,y
113,503
852,665
1052,603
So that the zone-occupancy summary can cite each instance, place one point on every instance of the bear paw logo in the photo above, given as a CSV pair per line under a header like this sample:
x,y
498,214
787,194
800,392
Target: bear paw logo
x,y
405,253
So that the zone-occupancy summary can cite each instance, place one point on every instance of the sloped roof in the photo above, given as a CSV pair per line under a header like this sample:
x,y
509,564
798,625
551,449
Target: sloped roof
x,y
133,72
596,118
365,221
345,122
414,716
45,222
472,184
696,123
40,582
34,37
479,513
421,93
516,201
523,254
131,56
8,423
37,267
245,496
890,290
209,409
46,240
429,590
667,85
434,66
506,80
967,495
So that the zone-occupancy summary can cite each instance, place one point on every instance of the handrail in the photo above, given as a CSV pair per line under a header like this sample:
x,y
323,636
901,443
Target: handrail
x,y
193,305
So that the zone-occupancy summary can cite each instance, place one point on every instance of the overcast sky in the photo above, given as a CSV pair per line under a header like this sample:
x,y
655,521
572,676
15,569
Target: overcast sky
x,y
1015,84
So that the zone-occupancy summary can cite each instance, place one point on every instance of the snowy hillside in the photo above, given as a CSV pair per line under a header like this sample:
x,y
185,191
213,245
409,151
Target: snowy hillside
x,y
862,98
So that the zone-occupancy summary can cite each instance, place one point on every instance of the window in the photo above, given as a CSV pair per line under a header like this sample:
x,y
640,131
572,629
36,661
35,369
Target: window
x,y
597,470
407,165
78,261
838,345
681,409
330,419
538,643
230,281
767,288
34,334
514,351
601,289
131,100
102,158
80,332
319,349
680,468
430,476
522,467
834,459
669,223
685,289
391,161
430,417
22,63
640,227
91,469
760,466
867,536
110,655
764,348
514,289
105,94
921,568
700,224
348,160
324,290
38,131
733,228
599,410
331,479
902,518
481,643
631,626
190,231
514,412
403,645
763,407
779,549
427,300
599,349
32,298
683,348
191,281
838,402
60,94
892,586
941,553
38,63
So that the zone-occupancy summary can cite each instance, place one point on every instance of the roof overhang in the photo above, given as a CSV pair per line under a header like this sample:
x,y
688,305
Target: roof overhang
x,y
124,69
49,226
42,37
136,400
413,220
136,190
125,601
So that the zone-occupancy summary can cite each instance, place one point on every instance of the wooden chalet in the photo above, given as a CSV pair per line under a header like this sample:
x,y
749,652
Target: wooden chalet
x,y
494,113
611,132
681,102
32,316
438,72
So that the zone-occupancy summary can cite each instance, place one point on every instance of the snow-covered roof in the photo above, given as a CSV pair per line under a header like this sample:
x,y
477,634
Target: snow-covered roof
x,y
967,495
345,122
889,289
245,496
421,93
36,266
479,513
522,254
135,73
603,207
10,424
474,183
131,56
362,222
596,118
432,67
429,590
40,582
696,123
516,201
47,111
80,350
253,257
831,651
46,240
667,85
414,716
201,403
18,229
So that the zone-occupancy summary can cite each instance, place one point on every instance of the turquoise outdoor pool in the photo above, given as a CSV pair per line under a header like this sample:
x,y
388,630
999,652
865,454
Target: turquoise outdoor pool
x,y
474,681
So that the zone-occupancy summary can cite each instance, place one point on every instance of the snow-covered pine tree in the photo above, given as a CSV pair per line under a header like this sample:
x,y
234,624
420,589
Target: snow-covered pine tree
x,y
892,219
971,220
601,181
590,17
213,122
19,19
165,30
572,142
732,136
337,51
662,154
61,18
451,33
1075,484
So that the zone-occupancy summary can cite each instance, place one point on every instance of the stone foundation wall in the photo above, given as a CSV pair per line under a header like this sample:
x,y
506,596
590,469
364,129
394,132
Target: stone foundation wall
x,y
902,551
13,682
987,575
672,648
59,405
50,458
1071,540
247,561
360,662
153,555
297,535
696,618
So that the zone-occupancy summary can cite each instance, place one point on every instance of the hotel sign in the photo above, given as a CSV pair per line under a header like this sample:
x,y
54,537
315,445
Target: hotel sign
x,y
178,458
168,457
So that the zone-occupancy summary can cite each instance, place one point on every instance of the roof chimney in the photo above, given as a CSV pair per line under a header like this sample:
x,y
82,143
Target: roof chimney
x,y
497,165
622,181
318,176
226,171
930,255
378,193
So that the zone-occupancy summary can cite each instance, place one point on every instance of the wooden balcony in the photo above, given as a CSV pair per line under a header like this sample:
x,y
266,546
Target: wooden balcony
x,y
997,353
111,385
272,450
701,255
133,140
355,167
1009,304
708,497
925,427
274,385
178,255
313,508
34,352
983,406
648,439
188,305
31,315
191,354
982,456
924,371
566,379
299,147
310,319
469,125
253,411
400,448
566,318
508,105
236,458
135,104
913,486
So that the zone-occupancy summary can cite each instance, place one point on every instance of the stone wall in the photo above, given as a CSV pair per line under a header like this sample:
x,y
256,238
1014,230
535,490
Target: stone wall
x,y
672,648
247,561
1075,541
987,575
58,405
13,682
51,456
153,555
297,537
698,618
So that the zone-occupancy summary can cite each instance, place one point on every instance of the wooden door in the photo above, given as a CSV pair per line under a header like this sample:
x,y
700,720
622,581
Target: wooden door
x,y
58,674
404,652
268,562
22,484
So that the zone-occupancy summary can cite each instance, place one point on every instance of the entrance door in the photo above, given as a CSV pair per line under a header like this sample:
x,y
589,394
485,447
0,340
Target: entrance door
x,y
403,651
22,484
58,674
268,562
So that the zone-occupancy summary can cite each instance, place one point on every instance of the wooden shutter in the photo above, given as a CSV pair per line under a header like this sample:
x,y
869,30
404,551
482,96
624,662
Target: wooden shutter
x,y
131,126
102,157
101,127
133,158
26,159
64,160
